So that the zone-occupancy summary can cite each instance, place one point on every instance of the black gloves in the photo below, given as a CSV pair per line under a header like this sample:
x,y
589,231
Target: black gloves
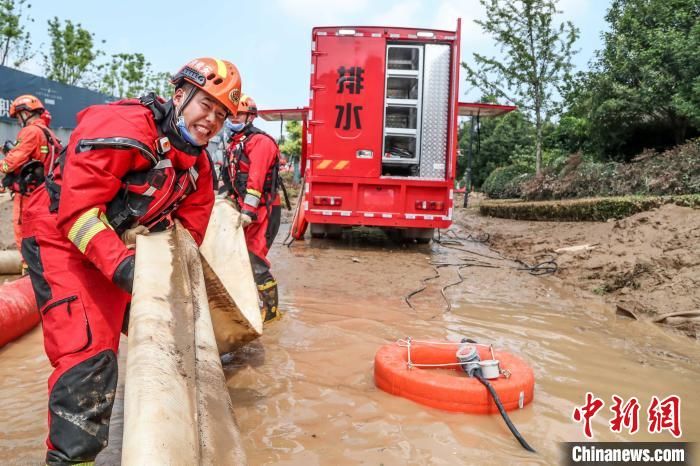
x,y
124,275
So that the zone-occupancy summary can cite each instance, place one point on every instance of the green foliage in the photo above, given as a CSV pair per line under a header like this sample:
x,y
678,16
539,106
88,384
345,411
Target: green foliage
x,y
72,52
291,147
536,59
644,91
159,82
583,210
291,186
125,76
504,182
130,75
15,41
569,135
676,171
497,142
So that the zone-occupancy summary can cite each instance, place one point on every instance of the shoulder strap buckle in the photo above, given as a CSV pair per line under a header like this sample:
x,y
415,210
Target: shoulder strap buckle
x,y
148,99
163,145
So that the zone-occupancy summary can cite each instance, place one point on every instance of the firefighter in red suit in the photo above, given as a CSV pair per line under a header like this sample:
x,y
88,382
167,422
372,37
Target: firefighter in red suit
x,y
252,177
26,162
130,167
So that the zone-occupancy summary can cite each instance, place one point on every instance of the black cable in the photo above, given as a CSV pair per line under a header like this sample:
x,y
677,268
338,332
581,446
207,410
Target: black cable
x,y
504,415
425,281
481,238
548,266
541,268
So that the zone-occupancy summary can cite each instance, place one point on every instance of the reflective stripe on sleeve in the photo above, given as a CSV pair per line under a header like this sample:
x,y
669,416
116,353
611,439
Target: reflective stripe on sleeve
x,y
85,228
251,200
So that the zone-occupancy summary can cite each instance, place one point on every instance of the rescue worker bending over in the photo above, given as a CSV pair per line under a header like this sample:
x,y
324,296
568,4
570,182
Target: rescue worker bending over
x,y
252,177
29,158
130,167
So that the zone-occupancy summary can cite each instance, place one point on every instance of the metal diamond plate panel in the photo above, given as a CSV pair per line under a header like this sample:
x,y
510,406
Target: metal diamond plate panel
x,y
436,98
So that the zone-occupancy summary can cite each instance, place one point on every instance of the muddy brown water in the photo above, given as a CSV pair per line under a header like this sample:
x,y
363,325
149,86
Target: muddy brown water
x,y
304,392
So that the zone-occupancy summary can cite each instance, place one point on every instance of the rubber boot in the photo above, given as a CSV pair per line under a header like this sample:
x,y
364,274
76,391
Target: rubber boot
x,y
270,301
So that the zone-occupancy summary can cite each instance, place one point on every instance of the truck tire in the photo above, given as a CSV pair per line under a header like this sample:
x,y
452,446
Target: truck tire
x,y
318,230
334,231
420,235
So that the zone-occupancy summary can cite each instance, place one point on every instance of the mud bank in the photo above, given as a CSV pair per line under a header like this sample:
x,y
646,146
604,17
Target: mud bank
x,y
644,266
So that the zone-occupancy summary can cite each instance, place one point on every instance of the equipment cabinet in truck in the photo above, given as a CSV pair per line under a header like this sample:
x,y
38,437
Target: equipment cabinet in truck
x,y
380,131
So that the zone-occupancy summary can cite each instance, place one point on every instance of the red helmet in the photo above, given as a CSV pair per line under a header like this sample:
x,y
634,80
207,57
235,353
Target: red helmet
x,y
218,78
247,105
25,102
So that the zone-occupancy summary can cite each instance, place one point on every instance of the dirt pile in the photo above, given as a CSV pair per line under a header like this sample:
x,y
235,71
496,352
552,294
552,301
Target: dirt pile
x,y
646,265
675,171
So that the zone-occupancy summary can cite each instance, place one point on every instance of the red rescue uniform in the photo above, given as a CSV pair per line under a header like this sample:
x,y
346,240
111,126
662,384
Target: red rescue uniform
x,y
254,166
253,170
35,143
115,174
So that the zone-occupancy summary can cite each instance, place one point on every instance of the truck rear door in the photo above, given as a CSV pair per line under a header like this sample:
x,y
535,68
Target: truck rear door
x,y
347,86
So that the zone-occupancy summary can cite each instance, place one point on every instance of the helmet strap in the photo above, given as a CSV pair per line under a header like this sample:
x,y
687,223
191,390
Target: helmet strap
x,y
188,97
22,120
179,120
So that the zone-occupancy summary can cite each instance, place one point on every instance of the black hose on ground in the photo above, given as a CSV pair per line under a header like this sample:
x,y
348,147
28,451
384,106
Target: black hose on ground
x,y
548,266
504,415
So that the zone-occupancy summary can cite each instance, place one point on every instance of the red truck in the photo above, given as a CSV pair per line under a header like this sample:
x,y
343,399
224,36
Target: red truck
x,y
379,137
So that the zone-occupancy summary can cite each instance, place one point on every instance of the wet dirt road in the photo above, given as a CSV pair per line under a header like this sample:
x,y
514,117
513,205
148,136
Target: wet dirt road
x,y
304,393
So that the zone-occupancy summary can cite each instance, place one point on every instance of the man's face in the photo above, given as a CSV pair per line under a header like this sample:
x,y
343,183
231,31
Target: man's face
x,y
23,117
203,115
241,117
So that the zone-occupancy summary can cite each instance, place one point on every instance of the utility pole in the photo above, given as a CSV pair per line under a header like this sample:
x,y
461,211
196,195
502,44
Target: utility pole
x,y
468,171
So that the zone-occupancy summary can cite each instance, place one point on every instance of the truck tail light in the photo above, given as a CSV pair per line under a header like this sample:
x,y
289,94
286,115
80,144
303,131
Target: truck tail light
x,y
328,201
429,205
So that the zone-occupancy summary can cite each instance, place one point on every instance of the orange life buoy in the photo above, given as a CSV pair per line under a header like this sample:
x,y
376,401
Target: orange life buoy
x,y
448,387
18,312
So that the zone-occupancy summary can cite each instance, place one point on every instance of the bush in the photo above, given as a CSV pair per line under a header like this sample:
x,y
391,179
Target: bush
x,y
583,210
504,182
291,187
676,171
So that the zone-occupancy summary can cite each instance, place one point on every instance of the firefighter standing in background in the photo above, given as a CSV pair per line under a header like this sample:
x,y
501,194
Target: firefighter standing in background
x,y
28,159
252,177
130,167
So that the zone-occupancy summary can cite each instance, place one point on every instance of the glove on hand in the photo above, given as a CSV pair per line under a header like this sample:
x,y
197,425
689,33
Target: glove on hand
x,y
124,275
244,220
129,236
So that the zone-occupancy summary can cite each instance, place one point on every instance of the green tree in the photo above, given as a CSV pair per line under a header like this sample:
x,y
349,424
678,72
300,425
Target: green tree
x,y
72,52
496,141
291,146
644,90
127,75
536,59
15,41
159,82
